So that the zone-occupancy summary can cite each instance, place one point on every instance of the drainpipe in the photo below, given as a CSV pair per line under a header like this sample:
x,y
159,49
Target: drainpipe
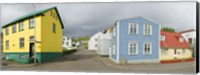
x,y
35,56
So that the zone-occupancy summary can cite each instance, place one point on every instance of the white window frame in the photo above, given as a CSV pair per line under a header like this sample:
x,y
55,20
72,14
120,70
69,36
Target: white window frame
x,y
67,43
31,38
150,52
7,31
7,44
181,39
32,23
184,52
131,25
129,45
21,26
14,28
21,43
164,51
114,50
150,28
114,31
162,37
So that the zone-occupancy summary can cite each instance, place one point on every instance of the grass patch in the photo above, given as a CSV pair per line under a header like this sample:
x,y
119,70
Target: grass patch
x,y
85,45
7,61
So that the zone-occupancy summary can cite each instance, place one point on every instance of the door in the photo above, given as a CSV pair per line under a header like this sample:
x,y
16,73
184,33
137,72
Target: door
x,y
32,49
175,53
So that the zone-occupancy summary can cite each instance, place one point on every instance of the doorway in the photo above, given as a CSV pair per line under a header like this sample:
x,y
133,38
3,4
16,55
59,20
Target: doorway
x,y
32,50
175,54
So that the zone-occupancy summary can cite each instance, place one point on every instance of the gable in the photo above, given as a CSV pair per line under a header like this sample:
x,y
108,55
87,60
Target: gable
x,y
139,20
58,17
172,40
31,15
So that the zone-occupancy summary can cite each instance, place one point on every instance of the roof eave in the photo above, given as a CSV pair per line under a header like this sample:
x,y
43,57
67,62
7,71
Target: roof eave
x,y
41,14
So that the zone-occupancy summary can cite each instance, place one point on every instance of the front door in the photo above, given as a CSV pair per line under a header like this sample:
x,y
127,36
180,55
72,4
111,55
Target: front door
x,y
32,49
175,53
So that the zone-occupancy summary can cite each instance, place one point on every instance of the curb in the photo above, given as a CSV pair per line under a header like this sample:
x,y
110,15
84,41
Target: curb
x,y
110,65
177,61
145,68
21,65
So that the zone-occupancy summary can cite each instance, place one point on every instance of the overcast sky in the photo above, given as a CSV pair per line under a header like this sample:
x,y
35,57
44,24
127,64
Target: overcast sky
x,y
86,19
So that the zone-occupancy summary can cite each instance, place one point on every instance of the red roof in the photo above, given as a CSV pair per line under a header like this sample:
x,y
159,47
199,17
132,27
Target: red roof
x,y
172,40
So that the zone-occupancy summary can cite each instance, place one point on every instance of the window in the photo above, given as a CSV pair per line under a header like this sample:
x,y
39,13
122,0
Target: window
x,y
54,15
21,26
164,51
51,13
7,44
21,42
181,39
7,31
32,23
14,28
63,38
114,31
96,45
184,51
190,40
148,30
132,48
114,51
31,38
96,39
162,38
147,48
175,51
67,43
133,28
54,27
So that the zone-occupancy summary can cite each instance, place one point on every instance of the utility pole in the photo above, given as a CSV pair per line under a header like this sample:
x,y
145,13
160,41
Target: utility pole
x,y
34,18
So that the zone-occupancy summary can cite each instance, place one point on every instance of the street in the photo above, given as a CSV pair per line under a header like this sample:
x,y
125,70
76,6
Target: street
x,y
88,61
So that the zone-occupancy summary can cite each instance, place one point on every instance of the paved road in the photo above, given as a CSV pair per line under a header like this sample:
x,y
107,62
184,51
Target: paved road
x,y
87,61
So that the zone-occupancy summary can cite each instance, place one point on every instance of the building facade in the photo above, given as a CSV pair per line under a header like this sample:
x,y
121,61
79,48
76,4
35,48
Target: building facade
x,y
93,41
67,42
37,35
190,37
104,43
174,46
135,40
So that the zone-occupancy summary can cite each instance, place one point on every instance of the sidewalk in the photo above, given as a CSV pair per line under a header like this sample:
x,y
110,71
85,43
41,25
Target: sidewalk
x,y
152,67
12,64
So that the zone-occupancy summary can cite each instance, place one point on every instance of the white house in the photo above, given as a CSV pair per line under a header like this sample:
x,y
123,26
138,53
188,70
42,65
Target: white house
x,y
104,43
189,36
93,41
78,43
67,42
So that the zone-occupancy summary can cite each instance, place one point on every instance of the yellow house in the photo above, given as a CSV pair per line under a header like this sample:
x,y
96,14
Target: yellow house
x,y
174,46
35,35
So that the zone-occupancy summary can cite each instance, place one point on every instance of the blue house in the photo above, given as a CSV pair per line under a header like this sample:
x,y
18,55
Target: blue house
x,y
135,40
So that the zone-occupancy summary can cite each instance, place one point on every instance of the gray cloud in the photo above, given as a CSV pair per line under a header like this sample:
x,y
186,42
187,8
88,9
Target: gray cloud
x,y
85,19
